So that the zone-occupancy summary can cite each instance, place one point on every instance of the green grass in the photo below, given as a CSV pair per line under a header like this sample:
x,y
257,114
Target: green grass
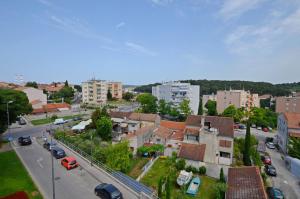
x,y
160,169
49,120
136,166
14,177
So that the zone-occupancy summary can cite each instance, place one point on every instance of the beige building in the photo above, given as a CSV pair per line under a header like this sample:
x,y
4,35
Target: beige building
x,y
35,96
288,104
116,89
238,98
94,92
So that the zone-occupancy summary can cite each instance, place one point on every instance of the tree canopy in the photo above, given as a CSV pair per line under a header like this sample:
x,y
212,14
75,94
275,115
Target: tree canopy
x,y
148,103
19,106
31,84
128,96
184,107
109,95
104,128
294,147
211,107
235,113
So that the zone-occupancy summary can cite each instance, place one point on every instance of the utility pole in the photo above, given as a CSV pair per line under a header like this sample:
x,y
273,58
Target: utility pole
x,y
7,111
91,148
52,165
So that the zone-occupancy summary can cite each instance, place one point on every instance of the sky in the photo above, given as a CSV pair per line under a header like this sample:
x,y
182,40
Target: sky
x,y
147,41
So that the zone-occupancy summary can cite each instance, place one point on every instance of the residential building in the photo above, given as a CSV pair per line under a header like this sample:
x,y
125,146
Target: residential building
x,y
213,136
50,108
51,88
116,89
35,96
245,183
205,99
238,98
176,92
288,104
288,125
94,92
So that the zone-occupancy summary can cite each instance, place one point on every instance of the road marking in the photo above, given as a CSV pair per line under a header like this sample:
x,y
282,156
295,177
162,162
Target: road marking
x,y
39,162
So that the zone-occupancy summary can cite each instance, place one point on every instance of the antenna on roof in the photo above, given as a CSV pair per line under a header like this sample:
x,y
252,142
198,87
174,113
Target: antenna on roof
x,y
19,79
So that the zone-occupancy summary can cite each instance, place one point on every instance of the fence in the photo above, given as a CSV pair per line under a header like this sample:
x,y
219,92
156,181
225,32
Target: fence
x,y
147,167
129,183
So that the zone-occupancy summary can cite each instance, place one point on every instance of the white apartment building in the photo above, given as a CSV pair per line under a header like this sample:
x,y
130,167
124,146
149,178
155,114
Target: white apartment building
x,y
238,98
94,92
176,92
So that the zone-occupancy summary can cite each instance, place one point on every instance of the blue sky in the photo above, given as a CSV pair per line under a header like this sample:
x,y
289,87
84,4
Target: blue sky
x,y
145,41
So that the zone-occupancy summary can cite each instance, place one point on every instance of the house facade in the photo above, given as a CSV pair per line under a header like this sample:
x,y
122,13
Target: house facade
x,y
288,104
288,125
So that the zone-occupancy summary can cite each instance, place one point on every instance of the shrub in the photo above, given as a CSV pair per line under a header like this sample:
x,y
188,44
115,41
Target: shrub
x,y
180,164
222,177
188,168
202,170
54,117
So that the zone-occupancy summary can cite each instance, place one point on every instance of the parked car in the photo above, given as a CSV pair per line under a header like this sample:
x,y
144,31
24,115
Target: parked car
x,y
24,140
258,128
269,139
270,145
274,193
77,118
270,170
108,191
266,160
49,145
265,129
253,126
58,152
59,121
270,129
21,121
242,126
69,163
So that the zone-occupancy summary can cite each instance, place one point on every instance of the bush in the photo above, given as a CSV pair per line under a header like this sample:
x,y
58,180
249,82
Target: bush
x,y
191,169
180,164
54,117
202,170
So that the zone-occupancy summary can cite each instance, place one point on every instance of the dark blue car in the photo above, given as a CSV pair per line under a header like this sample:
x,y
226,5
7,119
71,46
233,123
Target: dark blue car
x,y
108,191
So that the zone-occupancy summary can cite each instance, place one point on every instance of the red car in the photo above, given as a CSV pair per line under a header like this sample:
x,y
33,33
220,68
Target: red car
x,y
265,129
69,163
266,160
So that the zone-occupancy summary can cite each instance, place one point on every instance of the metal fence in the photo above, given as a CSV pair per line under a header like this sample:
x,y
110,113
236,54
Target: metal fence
x,y
140,190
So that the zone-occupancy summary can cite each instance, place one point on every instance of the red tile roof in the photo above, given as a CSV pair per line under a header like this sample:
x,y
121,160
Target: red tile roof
x,y
223,124
163,132
51,108
119,114
192,151
192,131
177,135
245,183
172,125
293,119
294,134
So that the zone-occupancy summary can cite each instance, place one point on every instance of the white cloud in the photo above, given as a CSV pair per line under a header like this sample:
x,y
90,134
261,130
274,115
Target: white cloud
x,y
235,8
139,49
45,2
245,39
161,2
120,25
76,26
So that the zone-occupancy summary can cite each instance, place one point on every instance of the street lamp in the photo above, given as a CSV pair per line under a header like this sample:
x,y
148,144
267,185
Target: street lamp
x,y
7,111
91,148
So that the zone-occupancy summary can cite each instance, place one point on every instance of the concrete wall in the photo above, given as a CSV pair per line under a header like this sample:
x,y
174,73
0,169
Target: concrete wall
x,y
282,132
35,94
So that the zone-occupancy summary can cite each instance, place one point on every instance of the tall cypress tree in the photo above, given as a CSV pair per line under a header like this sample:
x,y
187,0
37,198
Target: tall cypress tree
x,y
246,155
168,188
159,192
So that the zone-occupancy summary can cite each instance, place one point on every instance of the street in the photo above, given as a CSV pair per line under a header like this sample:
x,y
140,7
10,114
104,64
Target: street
x,y
77,183
285,181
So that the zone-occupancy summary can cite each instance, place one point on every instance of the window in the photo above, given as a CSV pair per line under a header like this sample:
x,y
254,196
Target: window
x,y
224,154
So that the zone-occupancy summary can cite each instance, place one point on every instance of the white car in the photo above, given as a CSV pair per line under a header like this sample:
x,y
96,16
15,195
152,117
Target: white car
x,y
59,121
270,145
259,128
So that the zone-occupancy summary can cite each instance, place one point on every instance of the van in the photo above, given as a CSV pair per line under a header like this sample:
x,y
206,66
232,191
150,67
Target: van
x,y
59,121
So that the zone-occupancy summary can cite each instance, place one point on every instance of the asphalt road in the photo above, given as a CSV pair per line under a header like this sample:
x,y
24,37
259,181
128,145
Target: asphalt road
x,y
74,184
285,181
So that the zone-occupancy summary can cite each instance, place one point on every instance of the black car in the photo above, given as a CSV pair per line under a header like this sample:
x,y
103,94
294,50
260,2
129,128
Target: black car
x,y
77,118
24,140
108,191
21,121
58,152
274,193
269,139
49,145
270,170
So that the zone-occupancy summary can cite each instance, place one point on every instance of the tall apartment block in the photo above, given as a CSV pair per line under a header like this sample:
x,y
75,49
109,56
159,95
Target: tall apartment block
x,y
95,91
116,89
238,98
176,92
288,104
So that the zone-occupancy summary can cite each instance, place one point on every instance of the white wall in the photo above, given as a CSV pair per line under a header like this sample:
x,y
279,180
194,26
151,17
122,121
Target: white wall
x,y
35,94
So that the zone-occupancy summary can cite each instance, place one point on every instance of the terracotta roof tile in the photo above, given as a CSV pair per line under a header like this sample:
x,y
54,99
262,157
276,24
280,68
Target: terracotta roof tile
x,y
163,132
119,114
172,125
192,151
192,131
293,119
245,183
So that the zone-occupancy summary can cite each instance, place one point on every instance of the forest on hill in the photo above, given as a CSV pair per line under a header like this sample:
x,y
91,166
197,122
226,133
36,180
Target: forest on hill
x,y
211,86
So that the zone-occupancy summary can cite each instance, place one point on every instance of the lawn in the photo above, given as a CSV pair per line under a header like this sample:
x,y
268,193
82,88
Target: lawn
x,y
160,169
136,166
49,119
14,177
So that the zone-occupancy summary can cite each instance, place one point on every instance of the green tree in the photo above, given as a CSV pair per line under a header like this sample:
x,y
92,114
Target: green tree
x,y
31,84
78,88
128,96
294,147
220,190
246,154
66,92
180,164
200,109
147,102
164,108
104,128
109,95
118,156
19,106
97,114
184,107
66,83
211,107
236,114
222,177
